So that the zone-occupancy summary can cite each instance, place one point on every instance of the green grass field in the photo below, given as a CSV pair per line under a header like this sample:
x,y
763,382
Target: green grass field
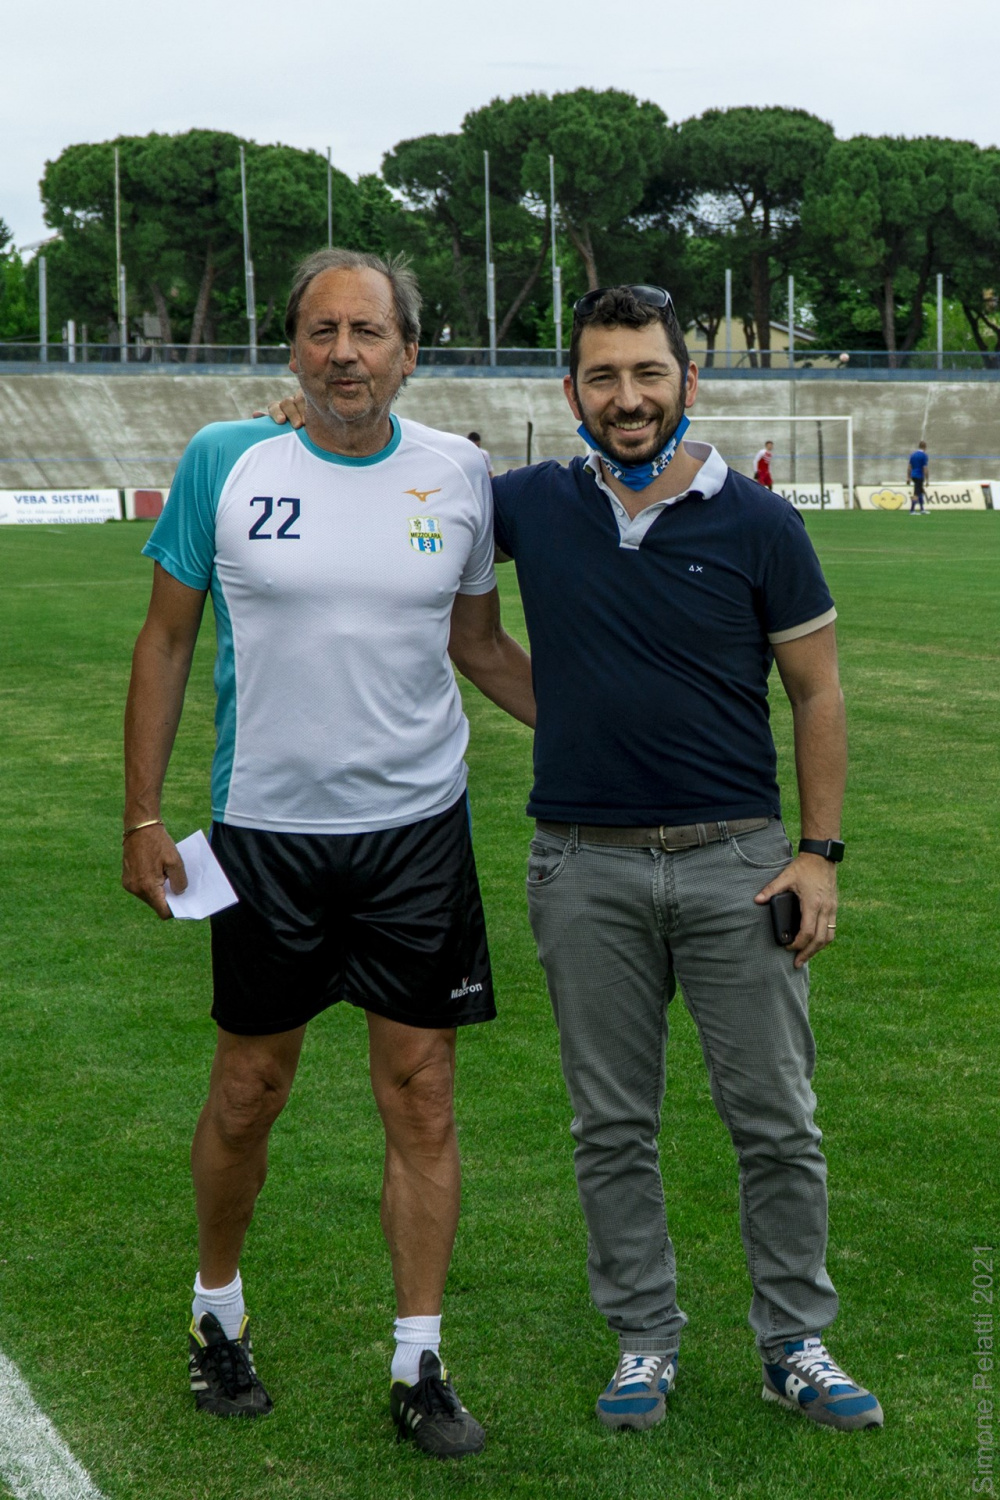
x,y
106,1044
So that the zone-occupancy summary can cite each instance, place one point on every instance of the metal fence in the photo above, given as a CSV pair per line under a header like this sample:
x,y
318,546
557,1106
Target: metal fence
x,y
778,360
182,357
448,356
142,355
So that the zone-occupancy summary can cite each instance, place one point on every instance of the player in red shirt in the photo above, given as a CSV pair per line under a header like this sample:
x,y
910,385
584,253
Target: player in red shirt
x,y
762,466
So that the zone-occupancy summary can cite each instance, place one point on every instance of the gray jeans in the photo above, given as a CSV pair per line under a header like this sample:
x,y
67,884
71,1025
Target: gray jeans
x,y
616,928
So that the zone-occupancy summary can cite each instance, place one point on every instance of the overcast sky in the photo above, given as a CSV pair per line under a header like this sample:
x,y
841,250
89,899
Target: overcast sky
x,y
359,78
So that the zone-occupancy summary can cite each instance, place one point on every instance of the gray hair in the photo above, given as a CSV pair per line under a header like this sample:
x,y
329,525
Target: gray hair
x,y
395,268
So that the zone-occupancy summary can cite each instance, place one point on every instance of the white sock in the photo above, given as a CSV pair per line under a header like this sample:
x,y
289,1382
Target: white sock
x,y
413,1336
225,1301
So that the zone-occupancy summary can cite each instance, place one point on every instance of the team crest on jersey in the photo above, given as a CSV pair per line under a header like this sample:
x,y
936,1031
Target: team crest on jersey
x,y
425,534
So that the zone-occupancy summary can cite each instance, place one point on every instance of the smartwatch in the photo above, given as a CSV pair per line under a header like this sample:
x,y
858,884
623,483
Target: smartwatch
x,y
831,849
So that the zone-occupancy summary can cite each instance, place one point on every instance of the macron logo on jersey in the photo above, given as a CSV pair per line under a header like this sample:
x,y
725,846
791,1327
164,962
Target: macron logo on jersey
x,y
465,988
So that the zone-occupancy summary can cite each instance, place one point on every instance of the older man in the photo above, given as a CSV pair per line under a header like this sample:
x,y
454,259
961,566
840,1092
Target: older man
x,y
345,562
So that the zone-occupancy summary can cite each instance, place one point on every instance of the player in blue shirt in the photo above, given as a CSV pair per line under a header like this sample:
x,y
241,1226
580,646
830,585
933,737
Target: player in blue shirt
x,y
917,474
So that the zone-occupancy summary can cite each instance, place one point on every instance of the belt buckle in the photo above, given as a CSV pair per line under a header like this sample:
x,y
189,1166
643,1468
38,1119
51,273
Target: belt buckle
x,y
671,848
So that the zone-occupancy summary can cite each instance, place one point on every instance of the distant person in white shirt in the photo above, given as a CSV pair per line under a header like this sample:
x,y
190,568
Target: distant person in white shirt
x,y
475,438
346,562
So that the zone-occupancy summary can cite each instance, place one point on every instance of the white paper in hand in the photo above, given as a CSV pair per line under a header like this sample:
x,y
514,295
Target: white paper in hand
x,y
208,890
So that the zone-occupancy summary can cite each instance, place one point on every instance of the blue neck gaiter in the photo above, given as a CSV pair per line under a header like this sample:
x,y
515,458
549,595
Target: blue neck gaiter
x,y
637,476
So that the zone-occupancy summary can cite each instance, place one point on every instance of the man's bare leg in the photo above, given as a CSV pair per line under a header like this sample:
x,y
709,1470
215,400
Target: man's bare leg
x,y
413,1078
250,1083
413,1074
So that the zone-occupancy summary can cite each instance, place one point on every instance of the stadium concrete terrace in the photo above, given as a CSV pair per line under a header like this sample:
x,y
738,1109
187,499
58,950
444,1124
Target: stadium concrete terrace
x,y
128,428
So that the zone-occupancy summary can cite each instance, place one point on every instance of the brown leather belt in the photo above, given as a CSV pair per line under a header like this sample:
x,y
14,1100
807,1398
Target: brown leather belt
x,y
673,840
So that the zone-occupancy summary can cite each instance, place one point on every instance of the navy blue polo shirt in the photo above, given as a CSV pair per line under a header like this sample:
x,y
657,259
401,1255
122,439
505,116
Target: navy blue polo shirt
x,y
650,663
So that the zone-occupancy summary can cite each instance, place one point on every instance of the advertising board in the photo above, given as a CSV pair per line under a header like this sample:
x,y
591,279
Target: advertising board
x,y
808,497
964,494
58,507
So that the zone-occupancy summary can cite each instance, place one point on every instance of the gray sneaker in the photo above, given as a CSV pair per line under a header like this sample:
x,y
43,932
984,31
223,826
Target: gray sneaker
x,y
805,1378
637,1394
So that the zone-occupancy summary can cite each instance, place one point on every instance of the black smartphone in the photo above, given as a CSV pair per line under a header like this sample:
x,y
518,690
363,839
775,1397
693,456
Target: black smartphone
x,y
786,917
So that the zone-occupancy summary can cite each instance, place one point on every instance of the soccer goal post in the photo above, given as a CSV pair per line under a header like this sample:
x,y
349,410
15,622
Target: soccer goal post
x,y
813,458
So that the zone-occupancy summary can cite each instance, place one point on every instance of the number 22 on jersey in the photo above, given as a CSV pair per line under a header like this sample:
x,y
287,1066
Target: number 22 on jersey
x,y
284,532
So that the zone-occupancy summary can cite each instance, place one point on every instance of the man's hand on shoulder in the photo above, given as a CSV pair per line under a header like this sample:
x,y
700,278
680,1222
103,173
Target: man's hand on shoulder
x,y
149,860
290,409
814,881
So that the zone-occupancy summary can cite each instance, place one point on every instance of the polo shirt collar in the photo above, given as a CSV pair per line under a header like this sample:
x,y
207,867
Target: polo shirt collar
x,y
708,482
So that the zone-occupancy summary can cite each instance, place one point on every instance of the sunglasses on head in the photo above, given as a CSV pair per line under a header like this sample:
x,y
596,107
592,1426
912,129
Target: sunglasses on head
x,y
652,296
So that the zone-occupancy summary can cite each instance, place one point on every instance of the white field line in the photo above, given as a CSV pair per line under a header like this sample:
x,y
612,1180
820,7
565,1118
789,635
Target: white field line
x,y
35,1463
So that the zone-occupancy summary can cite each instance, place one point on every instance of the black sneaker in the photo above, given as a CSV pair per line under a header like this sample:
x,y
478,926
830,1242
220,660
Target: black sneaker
x,y
222,1372
431,1414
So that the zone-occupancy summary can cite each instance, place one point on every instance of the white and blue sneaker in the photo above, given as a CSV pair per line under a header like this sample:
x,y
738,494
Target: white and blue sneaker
x,y
637,1394
805,1378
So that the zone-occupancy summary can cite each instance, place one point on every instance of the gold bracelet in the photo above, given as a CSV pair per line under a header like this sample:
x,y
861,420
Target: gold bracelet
x,y
151,823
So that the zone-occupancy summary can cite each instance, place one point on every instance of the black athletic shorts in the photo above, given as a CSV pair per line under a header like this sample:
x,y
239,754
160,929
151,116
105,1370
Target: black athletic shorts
x,y
389,921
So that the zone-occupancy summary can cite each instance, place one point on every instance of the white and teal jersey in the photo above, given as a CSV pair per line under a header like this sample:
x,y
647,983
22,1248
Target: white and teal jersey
x,y
332,580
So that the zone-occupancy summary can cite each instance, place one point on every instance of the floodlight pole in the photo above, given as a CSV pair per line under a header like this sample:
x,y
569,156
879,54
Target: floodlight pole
x,y
329,199
791,322
940,321
123,313
43,311
556,267
248,263
491,286
729,320
120,269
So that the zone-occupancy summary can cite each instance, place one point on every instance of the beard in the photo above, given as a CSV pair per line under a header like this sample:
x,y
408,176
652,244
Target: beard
x,y
334,405
615,443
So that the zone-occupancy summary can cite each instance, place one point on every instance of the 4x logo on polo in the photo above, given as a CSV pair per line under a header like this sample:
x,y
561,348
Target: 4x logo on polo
x,y
425,533
695,568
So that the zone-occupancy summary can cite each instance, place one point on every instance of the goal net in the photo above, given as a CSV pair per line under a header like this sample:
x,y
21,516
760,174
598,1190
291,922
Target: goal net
x,y
812,462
